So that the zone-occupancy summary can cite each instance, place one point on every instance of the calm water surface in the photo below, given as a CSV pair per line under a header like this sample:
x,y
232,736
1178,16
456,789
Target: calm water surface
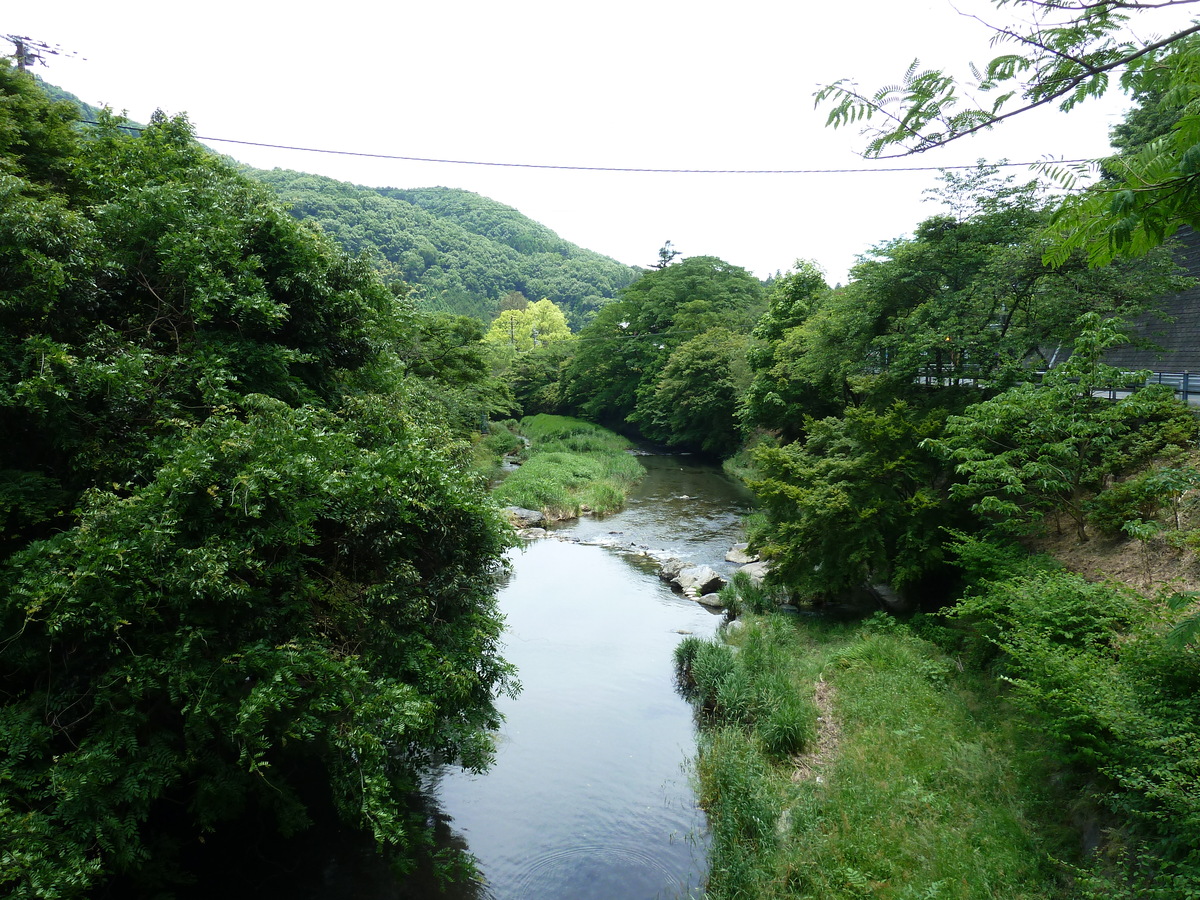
x,y
590,796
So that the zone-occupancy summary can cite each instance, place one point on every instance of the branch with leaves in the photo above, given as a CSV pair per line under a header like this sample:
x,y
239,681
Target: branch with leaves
x,y
1060,60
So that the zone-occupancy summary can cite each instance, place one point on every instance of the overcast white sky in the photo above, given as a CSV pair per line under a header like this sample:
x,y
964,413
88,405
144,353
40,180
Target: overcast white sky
x,y
623,83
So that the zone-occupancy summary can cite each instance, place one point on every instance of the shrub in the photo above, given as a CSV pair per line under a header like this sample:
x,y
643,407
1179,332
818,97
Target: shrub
x,y
742,595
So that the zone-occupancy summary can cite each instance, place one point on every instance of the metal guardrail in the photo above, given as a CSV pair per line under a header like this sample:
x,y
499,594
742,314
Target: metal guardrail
x,y
1185,384
1187,388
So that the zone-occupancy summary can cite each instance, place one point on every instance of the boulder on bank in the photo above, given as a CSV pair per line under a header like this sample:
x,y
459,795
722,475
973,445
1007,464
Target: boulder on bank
x,y
699,580
757,571
889,599
524,518
712,601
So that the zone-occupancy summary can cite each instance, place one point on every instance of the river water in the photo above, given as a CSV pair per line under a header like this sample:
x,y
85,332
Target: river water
x,y
590,795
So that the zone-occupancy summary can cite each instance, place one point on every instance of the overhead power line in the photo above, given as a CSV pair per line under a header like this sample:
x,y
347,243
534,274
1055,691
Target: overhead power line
x,y
630,169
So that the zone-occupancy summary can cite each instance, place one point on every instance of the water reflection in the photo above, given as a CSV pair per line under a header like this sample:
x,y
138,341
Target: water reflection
x,y
590,795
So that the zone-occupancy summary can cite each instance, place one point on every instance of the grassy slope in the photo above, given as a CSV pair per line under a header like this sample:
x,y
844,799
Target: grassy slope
x,y
913,782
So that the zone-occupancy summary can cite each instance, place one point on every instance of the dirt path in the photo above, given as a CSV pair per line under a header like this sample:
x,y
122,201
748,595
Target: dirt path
x,y
829,735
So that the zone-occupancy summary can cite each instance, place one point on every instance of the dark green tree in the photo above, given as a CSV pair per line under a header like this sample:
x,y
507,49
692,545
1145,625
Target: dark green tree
x,y
624,351
860,501
779,396
694,400
245,571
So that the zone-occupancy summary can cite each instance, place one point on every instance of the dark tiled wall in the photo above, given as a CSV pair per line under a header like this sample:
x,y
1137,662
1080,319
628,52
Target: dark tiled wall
x,y
1178,336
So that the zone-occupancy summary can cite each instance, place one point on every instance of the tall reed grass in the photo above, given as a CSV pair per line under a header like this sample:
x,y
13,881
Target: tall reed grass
x,y
570,467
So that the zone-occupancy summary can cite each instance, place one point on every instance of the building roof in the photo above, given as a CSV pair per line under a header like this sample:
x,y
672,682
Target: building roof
x,y
1176,331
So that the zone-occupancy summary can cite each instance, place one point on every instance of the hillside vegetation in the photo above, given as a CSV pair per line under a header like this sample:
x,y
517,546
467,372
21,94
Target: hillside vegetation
x,y
461,250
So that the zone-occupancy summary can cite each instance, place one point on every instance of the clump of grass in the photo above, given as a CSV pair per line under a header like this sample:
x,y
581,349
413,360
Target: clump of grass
x,y
685,656
742,595
741,688
738,794
570,466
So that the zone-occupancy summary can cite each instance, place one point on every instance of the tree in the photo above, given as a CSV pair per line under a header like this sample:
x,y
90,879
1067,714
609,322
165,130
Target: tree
x,y
245,570
1039,450
859,501
966,303
666,256
625,349
535,325
602,380
777,399
1067,52
513,300
694,400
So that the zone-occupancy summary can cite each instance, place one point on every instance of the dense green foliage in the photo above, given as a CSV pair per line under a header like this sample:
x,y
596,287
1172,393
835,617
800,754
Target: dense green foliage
x,y
858,384
245,570
463,251
669,356
312,594
1089,666
1039,450
951,396
859,501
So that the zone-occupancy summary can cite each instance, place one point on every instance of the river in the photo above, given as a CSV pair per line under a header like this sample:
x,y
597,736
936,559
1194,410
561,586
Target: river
x,y
590,794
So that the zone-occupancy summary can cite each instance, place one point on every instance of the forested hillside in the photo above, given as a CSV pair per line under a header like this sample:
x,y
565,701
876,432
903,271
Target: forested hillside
x,y
461,250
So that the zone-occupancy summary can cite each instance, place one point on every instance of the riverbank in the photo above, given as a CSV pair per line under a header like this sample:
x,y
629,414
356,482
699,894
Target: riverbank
x,y
1046,718
889,772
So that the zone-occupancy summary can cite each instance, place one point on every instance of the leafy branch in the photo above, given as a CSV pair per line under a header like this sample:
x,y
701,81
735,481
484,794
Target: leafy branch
x,y
1067,62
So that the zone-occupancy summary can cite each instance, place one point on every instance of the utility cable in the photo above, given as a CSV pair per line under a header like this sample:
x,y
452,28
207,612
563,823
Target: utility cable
x,y
628,169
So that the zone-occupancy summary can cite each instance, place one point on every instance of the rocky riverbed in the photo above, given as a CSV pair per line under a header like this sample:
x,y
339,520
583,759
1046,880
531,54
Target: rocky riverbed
x,y
697,580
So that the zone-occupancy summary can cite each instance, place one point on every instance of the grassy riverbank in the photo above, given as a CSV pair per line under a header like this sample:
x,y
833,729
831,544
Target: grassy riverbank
x,y
887,773
569,467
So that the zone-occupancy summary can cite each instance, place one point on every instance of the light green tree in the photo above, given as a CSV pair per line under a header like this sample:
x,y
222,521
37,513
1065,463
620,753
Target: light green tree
x,y
535,325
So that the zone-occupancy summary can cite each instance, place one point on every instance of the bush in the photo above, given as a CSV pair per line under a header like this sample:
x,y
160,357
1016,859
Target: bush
x,y
742,595
1133,500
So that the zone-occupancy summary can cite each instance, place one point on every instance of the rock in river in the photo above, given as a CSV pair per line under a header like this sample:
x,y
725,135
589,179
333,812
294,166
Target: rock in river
x,y
699,580
739,553
523,518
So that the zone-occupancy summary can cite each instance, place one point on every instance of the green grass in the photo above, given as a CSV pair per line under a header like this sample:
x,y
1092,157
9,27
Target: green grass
x,y
928,791
570,466
489,450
